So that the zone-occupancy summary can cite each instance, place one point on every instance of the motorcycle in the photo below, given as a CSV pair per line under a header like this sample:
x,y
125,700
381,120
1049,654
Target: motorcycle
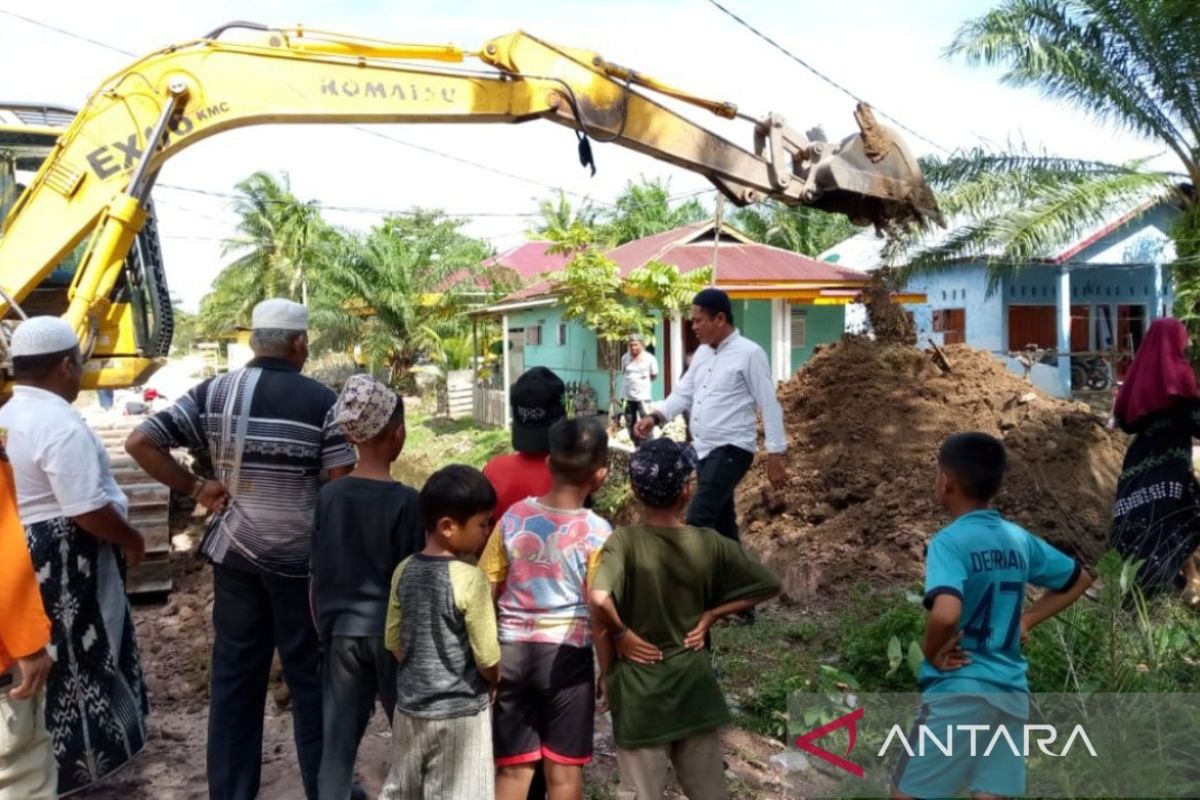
x,y
1087,372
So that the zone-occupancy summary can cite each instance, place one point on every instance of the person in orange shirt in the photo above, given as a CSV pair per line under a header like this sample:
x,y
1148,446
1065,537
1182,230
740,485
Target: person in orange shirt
x,y
27,766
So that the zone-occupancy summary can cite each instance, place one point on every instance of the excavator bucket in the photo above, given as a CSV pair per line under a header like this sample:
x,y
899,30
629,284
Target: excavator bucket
x,y
872,178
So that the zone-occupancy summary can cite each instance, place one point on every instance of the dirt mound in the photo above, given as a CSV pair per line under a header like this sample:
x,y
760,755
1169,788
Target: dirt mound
x,y
865,421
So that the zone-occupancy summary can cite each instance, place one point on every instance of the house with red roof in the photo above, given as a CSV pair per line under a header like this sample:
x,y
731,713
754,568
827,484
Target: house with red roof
x,y
1085,306
786,302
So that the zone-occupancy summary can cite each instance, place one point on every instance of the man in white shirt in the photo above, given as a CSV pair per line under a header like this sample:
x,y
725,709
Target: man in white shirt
x,y
728,381
638,369
80,542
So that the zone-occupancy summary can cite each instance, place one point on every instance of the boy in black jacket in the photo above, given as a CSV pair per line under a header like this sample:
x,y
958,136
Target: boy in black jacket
x,y
367,523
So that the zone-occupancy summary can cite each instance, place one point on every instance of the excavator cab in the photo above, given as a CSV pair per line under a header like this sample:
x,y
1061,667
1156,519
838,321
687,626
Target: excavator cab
x,y
122,343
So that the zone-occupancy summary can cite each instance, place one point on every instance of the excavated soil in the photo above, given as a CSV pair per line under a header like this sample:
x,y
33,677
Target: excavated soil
x,y
865,421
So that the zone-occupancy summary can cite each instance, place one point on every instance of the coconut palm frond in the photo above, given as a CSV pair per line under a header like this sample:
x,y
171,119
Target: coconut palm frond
x,y
1014,219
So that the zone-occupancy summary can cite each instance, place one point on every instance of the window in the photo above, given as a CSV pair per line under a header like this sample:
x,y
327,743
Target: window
x,y
799,324
560,336
952,322
533,335
1038,326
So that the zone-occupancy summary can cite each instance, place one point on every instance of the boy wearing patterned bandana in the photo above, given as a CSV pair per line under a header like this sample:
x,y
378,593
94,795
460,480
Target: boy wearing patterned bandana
x,y
366,524
660,587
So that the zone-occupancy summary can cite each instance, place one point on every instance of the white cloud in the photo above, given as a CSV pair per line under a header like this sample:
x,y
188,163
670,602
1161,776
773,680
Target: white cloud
x,y
887,51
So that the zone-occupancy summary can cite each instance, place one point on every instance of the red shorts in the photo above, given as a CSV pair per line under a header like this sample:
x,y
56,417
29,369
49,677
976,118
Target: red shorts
x,y
545,704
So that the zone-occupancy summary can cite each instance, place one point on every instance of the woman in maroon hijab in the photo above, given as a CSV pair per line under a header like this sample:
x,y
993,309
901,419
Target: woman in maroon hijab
x,y
1157,514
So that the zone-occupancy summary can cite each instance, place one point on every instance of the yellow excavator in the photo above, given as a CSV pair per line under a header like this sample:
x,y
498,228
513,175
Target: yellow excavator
x,y
79,239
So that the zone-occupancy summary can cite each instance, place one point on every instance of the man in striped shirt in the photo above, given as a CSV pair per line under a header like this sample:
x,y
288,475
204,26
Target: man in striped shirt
x,y
270,434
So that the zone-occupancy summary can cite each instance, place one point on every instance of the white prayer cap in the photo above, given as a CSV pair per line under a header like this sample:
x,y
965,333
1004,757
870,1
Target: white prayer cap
x,y
279,314
39,336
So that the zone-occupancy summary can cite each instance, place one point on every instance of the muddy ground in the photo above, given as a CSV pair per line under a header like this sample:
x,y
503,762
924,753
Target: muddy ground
x,y
175,638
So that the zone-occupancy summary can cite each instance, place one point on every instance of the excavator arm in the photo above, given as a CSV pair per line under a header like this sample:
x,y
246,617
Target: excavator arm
x,y
96,183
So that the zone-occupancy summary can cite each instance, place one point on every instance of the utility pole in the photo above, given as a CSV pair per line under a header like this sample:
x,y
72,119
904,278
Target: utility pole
x,y
718,219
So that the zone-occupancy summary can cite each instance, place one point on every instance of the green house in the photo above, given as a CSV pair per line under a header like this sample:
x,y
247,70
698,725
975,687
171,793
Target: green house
x,y
786,302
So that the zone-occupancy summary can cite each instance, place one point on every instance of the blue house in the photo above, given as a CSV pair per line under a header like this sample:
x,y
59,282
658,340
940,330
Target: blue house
x,y
1088,304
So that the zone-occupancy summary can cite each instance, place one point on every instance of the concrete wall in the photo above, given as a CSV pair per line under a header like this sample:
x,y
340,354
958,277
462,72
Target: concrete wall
x,y
825,324
575,359
753,319
964,287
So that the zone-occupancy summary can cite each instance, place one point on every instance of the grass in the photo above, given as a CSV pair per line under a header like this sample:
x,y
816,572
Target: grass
x,y
1123,643
434,442
790,651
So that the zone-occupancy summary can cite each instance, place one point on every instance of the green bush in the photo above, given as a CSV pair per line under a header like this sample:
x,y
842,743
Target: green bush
x,y
867,633
1121,642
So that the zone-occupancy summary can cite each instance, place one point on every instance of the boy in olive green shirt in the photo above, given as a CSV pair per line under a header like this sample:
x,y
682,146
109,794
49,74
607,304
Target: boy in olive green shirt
x,y
661,586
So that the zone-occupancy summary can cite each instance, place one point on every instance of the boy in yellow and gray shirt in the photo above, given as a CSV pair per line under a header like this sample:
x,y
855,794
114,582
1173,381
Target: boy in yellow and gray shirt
x,y
441,626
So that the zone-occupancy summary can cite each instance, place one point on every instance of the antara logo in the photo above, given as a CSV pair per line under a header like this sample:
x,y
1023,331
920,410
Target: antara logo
x,y
915,745
847,721
1041,735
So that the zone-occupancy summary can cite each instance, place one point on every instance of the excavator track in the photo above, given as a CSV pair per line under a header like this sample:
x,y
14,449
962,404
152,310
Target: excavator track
x,y
149,506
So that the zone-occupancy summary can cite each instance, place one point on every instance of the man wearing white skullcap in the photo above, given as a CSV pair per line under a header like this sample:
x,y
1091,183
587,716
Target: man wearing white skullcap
x,y
78,535
271,434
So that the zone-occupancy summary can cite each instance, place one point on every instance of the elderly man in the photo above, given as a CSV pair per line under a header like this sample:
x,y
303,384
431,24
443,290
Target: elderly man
x,y
638,371
79,541
729,379
270,433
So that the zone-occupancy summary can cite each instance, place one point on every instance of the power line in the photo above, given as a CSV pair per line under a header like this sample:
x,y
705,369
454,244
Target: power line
x,y
367,131
377,134
348,209
393,212
822,75
474,164
65,32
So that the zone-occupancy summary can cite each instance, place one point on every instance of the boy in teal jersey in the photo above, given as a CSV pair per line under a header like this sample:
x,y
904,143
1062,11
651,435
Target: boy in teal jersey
x,y
977,571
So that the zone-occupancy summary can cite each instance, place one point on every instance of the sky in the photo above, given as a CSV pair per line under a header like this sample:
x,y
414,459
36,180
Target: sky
x,y
888,53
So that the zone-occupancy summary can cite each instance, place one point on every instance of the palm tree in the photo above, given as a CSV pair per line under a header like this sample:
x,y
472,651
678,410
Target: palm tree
x,y
801,230
1131,64
399,291
558,216
644,209
280,237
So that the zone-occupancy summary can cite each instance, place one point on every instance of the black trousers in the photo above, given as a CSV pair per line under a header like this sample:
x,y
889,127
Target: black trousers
x,y
358,670
633,410
717,476
253,614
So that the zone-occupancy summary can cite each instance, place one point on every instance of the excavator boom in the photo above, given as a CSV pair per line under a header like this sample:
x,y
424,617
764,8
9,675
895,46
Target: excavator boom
x,y
95,185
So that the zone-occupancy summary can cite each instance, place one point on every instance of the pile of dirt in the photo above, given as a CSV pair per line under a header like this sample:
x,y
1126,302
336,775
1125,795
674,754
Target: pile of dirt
x,y
865,421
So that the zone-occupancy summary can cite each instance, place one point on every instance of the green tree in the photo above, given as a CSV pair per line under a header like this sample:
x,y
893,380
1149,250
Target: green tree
x,y
281,246
659,287
399,291
187,332
644,209
593,294
801,230
281,238
558,216
1131,64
